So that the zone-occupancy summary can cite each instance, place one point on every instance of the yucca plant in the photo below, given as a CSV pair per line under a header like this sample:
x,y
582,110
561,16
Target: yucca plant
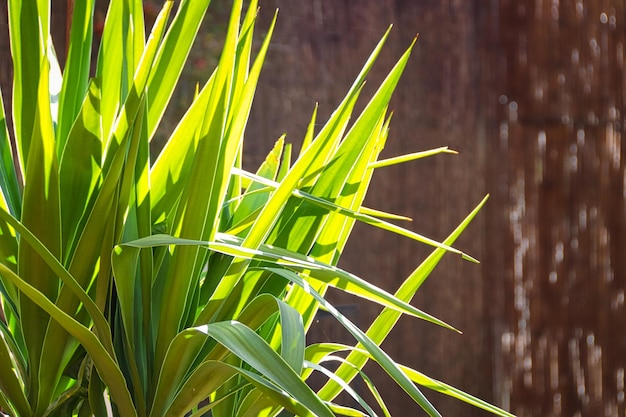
x,y
182,285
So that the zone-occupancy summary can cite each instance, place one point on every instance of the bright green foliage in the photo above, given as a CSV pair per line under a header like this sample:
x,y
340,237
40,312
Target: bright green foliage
x,y
139,287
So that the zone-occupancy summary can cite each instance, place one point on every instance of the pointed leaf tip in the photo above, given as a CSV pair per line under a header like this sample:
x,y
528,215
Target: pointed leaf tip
x,y
469,258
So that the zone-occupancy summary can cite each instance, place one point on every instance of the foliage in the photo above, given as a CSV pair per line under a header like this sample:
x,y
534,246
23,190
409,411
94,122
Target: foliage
x,y
181,285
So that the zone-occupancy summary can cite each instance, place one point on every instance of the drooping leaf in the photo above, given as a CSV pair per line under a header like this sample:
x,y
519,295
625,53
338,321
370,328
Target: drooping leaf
x,y
383,359
107,368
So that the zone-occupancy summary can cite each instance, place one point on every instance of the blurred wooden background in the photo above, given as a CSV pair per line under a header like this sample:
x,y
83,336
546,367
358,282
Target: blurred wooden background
x,y
531,93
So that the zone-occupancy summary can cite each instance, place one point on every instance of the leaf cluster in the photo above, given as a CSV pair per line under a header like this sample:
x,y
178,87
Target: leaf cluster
x,y
182,284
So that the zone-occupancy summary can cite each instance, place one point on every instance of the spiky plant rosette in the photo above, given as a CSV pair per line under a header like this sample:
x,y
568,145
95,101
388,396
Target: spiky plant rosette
x,y
184,284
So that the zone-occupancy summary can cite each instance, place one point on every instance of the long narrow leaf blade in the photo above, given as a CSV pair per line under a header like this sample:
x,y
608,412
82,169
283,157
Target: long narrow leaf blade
x,y
373,348
40,214
172,55
248,346
410,157
9,185
10,384
76,72
26,26
385,322
107,368
230,245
